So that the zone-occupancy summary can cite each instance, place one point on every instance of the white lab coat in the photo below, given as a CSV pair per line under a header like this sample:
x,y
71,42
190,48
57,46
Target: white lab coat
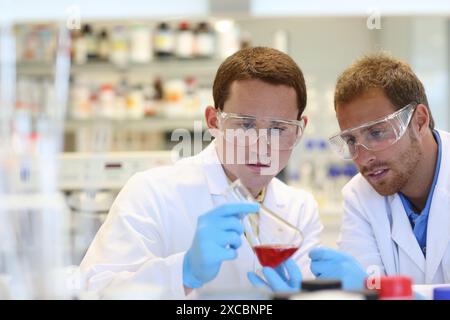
x,y
377,232
151,225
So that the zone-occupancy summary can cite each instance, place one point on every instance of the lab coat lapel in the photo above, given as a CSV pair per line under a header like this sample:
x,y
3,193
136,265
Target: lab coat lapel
x,y
204,178
217,185
403,235
215,175
438,232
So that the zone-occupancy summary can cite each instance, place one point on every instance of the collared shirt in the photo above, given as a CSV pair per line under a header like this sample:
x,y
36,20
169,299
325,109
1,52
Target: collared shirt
x,y
254,218
261,195
419,221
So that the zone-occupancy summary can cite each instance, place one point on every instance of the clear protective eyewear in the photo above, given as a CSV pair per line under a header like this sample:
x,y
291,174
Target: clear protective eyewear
x,y
375,135
243,130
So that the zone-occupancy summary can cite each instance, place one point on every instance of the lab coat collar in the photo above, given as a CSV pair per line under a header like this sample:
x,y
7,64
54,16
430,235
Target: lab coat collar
x,y
217,180
438,235
443,181
215,175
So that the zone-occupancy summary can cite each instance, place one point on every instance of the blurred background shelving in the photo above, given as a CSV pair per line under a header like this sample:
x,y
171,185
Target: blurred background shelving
x,y
172,67
133,91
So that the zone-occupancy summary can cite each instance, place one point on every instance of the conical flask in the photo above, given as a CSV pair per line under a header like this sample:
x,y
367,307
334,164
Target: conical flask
x,y
272,238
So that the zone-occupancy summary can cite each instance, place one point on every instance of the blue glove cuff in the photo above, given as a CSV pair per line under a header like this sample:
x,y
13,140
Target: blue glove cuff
x,y
188,278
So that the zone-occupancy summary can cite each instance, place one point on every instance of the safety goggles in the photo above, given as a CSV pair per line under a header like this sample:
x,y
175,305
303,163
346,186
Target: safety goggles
x,y
375,135
244,130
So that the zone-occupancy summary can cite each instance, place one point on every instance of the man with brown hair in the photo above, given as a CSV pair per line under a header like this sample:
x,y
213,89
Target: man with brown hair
x,y
173,227
397,209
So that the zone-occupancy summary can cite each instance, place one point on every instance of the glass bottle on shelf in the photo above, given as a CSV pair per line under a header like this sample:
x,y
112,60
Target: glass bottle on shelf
x,y
204,41
158,89
80,100
103,45
163,41
91,42
107,96
184,47
150,106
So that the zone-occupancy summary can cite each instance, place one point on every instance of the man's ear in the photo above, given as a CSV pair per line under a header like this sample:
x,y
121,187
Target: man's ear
x,y
212,121
421,119
211,117
305,119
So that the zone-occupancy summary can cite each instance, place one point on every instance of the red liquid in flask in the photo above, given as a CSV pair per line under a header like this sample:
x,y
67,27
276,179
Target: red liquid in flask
x,y
273,255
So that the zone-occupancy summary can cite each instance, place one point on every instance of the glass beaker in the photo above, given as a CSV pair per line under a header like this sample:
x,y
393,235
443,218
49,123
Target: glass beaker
x,y
272,238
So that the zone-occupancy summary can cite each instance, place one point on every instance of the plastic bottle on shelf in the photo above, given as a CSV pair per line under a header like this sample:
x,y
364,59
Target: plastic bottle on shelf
x,y
96,110
204,41
150,105
184,46
191,99
80,101
79,48
163,41
135,103
174,94
140,44
119,47
107,101
122,90
103,45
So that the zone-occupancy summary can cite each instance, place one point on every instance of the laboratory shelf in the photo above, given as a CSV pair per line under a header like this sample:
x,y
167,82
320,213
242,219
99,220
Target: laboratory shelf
x,y
175,67
153,124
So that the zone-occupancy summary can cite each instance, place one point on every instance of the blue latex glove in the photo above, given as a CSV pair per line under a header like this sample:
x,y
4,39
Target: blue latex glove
x,y
216,239
287,277
331,264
